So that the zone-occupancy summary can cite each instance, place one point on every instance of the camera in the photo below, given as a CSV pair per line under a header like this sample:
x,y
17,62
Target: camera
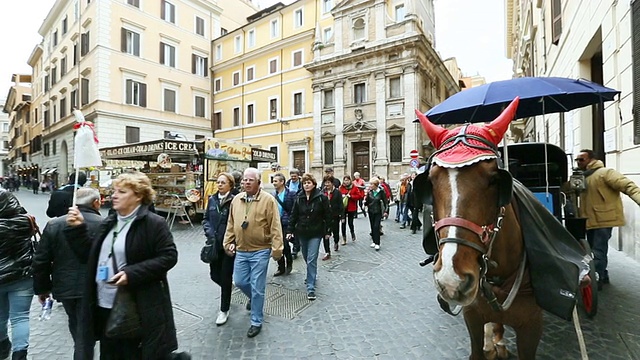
x,y
577,180
244,225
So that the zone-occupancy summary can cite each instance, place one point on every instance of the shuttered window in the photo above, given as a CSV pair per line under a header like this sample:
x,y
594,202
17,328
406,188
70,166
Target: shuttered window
x,y
395,148
635,39
217,121
328,152
556,26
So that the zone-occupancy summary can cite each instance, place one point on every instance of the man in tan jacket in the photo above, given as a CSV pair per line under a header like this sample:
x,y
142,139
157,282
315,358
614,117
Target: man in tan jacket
x,y
253,234
602,206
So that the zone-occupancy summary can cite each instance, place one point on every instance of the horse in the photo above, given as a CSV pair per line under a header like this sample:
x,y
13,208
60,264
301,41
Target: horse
x,y
481,263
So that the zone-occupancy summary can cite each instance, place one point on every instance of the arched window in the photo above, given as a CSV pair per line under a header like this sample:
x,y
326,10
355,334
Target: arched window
x,y
358,29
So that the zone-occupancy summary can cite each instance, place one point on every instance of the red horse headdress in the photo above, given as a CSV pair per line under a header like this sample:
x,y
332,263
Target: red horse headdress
x,y
461,154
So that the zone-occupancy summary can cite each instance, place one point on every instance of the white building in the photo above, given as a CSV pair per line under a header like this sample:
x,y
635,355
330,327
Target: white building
x,y
596,40
137,69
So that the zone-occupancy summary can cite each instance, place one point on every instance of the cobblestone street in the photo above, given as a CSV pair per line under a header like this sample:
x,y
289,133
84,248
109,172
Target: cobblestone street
x,y
371,305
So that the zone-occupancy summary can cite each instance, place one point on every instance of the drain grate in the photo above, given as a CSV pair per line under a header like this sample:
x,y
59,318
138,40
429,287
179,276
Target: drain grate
x,y
362,267
279,301
184,318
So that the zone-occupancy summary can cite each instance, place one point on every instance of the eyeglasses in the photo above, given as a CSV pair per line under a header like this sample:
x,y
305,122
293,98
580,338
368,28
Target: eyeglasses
x,y
222,182
580,159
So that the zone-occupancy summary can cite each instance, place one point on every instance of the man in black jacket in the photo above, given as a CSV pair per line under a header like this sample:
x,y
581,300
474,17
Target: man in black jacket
x,y
62,199
57,270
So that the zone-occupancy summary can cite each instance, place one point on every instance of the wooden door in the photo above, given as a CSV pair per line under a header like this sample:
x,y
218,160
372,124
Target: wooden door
x,y
299,161
361,159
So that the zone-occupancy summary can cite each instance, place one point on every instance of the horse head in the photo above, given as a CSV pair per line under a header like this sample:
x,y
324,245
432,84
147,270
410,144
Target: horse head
x,y
468,190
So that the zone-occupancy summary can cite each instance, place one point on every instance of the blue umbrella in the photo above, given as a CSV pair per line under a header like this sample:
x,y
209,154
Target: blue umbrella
x,y
538,96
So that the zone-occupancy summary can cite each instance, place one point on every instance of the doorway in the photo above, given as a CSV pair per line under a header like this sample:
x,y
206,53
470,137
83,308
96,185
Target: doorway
x,y
299,161
361,159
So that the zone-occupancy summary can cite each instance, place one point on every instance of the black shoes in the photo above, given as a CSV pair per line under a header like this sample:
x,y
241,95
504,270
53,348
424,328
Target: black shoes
x,y
253,331
19,355
5,348
289,268
248,307
311,296
181,356
279,272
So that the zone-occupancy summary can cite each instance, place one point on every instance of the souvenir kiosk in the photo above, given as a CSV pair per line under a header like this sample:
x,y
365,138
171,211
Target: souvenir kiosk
x,y
174,166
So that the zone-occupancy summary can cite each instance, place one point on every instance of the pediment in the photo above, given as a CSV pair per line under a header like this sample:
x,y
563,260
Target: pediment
x,y
359,126
347,5
328,134
395,127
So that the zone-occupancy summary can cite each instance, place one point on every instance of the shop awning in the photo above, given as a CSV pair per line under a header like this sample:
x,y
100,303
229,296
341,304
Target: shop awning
x,y
50,171
44,172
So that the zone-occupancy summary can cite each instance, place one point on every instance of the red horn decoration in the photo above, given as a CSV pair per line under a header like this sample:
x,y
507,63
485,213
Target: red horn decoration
x,y
434,132
498,127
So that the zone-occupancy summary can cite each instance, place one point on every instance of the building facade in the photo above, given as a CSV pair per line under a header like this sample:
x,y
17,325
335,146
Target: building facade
x,y
261,90
17,107
137,69
4,139
335,84
596,40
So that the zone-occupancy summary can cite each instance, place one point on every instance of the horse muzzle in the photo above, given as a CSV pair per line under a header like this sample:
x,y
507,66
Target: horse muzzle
x,y
462,292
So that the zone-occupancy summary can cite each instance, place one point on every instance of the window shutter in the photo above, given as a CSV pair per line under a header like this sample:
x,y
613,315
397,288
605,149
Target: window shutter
x,y
85,92
123,39
556,27
206,67
129,86
161,53
635,51
193,63
143,94
162,7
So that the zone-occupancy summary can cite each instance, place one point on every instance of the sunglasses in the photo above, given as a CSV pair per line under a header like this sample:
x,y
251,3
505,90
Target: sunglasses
x,y
580,159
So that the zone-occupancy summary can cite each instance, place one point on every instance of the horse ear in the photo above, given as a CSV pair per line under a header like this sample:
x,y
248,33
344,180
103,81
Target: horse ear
x,y
498,127
434,132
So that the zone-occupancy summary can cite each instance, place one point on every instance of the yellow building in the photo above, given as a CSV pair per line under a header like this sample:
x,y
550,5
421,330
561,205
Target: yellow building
x,y
331,84
137,69
17,106
262,92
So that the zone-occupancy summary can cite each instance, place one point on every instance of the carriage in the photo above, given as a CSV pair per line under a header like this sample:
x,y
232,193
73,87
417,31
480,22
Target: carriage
x,y
543,168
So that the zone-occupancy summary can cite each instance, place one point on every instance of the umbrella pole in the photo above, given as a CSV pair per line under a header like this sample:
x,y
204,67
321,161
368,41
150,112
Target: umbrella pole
x,y
506,153
546,153
75,187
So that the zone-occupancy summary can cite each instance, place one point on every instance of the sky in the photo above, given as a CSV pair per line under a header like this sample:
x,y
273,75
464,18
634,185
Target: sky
x,y
472,31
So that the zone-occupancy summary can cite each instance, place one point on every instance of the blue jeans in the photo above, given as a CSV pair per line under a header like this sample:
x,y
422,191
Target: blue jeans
x,y
599,241
310,248
250,276
15,301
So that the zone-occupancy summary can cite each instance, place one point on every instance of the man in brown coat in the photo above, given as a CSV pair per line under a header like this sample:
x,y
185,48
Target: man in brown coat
x,y
602,206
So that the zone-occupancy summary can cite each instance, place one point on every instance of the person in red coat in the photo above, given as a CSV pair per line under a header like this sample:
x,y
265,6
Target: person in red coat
x,y
354,195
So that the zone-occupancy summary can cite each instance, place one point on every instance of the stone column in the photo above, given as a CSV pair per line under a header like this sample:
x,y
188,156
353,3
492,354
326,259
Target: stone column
x,y
317,127
338,102
410,105
381,162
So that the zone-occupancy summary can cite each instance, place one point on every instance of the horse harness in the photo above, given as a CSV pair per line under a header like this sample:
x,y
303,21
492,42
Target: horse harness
x,y
486,233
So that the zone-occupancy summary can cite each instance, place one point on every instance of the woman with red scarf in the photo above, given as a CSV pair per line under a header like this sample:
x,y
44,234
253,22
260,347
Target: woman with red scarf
x,y
354,195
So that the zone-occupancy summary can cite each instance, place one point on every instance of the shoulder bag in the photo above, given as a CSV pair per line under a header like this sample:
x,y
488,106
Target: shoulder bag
x,y
124,319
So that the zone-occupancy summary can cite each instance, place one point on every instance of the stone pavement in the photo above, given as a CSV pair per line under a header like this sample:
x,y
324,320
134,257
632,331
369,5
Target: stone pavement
x,y
371,305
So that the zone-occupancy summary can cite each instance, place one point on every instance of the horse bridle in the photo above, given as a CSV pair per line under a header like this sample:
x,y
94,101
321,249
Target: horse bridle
x,y
486,233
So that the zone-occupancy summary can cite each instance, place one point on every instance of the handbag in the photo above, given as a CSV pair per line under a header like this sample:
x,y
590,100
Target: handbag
x,y
124,319
35,233
209,252
345,201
